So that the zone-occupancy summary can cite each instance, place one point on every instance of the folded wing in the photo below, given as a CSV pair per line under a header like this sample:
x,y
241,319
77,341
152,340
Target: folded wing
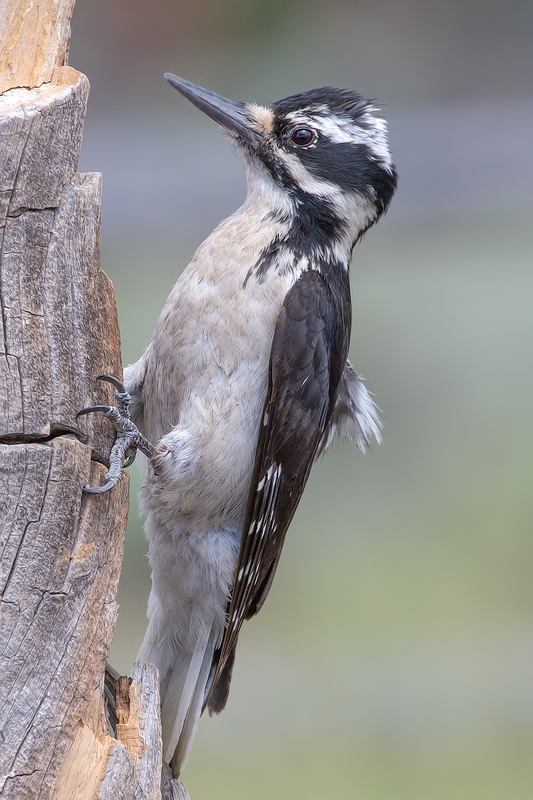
x,y
307,361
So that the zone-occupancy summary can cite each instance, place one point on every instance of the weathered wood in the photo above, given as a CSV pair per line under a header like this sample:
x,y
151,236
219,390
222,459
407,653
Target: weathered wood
x,y
86,762
40,141
60,550
139,734
61,553
172,789
34,40
59,319
61,558
131,765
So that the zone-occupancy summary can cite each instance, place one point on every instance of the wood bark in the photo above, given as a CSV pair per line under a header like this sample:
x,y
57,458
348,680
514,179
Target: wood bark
x,y
60,550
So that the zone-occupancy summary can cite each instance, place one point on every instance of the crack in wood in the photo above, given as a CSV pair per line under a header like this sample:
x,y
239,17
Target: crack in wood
x,y
61,550
17,438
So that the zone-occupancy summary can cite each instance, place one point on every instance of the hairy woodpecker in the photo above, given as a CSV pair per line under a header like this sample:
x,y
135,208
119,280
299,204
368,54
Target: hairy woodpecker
x,y
246,381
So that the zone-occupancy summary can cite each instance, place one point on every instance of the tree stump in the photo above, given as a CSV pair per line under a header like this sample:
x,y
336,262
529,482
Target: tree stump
x,y
61,550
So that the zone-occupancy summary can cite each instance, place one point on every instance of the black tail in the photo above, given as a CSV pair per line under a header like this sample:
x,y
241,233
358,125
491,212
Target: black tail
x,y
218,694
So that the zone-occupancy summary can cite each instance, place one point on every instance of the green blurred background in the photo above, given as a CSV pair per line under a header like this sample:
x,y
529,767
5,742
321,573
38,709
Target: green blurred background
x,y
394,657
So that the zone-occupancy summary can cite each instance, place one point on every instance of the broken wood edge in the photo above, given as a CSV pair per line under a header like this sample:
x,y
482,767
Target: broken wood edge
x,y
34,41
100,766
84,767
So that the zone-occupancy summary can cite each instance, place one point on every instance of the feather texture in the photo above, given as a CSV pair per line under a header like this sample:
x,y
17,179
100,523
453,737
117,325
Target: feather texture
x,y
246,382
306,364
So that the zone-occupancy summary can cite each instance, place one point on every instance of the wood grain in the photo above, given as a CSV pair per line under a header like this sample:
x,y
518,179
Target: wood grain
x,y
40,140
60,550
131,766
34,40
59,326
61,556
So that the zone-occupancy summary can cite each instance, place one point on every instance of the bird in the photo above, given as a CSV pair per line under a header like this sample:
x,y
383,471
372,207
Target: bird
x,y
246,382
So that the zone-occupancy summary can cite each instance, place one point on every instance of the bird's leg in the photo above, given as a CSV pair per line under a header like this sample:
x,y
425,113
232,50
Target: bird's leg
x,y
129,438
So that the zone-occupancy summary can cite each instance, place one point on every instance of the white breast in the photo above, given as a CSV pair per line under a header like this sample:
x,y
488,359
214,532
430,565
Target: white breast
x,y
207,371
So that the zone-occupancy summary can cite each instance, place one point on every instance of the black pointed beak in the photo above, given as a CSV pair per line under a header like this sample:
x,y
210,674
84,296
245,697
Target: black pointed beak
x,y
232,116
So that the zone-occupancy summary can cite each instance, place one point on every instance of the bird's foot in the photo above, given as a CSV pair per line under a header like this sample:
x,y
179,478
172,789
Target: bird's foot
x,y
129,438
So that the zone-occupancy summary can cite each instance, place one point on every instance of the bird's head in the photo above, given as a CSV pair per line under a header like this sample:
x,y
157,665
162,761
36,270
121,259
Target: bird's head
x,y
322,153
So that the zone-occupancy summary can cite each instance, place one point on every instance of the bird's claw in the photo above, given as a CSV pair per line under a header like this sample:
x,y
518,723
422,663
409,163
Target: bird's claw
x,y
121,393
129,438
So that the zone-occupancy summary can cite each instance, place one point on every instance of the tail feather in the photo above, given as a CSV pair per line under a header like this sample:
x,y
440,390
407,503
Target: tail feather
x,y
184,676
185,691
218,693
194,712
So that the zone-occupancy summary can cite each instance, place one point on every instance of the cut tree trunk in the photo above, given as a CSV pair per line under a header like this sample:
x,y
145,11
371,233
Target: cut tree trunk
x,y
61,550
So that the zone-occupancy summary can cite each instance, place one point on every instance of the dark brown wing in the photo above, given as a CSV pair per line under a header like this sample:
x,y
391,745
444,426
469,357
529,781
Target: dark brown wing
x,y
307,359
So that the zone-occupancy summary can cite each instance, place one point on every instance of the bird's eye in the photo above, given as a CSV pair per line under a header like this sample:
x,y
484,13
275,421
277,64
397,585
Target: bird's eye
x,y
302,136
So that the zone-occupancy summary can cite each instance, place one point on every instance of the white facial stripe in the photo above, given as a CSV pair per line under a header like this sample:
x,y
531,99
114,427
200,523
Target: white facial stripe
x,y
377,137
356,210
342,130
306,115
308,182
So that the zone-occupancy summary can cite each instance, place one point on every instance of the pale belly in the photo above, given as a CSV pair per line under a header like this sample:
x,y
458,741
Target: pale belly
x,y
204,391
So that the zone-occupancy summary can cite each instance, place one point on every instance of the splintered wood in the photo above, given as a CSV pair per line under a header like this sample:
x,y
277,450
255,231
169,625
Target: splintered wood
x,y
127,767
34,40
